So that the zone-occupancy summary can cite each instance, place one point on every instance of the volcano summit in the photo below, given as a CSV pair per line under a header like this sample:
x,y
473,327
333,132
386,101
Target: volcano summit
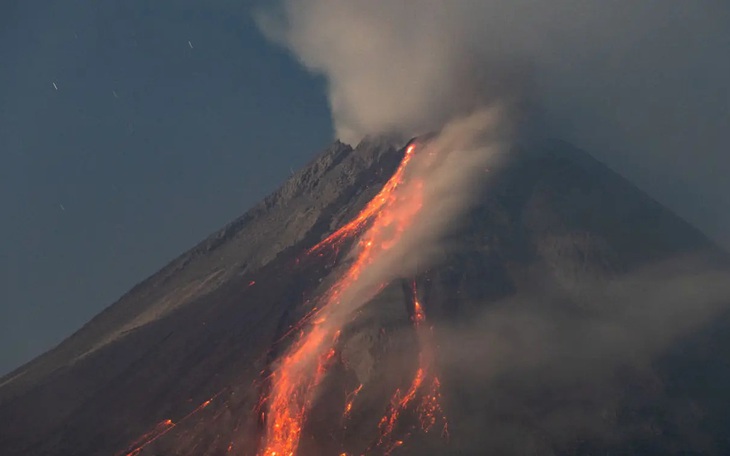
x,y
560,311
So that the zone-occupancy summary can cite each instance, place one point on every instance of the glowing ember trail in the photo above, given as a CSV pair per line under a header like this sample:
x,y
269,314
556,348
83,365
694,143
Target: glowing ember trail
x,y
161,429
295,378
350,400
429,408
357,225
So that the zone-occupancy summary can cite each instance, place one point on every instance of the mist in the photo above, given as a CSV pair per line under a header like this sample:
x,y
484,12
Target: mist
x,y
558,368
643,85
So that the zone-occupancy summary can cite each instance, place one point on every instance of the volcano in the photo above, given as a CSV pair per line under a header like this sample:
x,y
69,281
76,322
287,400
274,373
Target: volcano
x,y
568,314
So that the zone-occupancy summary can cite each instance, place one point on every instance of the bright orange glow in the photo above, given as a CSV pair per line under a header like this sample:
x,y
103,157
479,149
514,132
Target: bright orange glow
x,y
397,405
301,369
428,408
358,224
296,375
291,394
350,400
419,317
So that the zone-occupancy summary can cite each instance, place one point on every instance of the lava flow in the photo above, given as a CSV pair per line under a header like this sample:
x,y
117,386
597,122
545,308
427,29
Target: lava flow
x,y
428,408
355,226
295,378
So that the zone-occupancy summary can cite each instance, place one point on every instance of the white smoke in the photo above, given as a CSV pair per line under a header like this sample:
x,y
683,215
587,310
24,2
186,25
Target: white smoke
x,y
643,84
392,67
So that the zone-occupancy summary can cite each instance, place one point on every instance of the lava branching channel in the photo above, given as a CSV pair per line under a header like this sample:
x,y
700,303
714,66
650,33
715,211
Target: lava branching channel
x,y
293,378
383,222
298,372
424,393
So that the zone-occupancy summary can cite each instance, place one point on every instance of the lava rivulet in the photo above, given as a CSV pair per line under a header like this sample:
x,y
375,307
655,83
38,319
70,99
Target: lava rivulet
x,y
426,401
297,374
351,400
357,225
161,429
396,231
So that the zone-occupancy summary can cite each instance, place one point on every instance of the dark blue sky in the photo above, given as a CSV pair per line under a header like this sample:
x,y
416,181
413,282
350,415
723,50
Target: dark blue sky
x,y
147,146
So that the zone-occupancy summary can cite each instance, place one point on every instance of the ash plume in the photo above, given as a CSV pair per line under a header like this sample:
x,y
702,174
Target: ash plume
x,y
641,84
393,68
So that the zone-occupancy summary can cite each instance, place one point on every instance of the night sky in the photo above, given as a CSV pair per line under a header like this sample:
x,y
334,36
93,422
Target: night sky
x,y
147,146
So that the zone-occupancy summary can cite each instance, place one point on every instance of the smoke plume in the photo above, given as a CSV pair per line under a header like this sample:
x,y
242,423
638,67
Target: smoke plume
x,y
642,84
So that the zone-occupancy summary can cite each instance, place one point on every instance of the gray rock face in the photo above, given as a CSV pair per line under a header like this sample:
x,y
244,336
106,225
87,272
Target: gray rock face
x,y
282,220
554,226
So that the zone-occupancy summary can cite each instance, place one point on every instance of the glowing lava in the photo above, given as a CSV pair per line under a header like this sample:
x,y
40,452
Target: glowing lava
x,y
355,227
428,407
350,400
295,378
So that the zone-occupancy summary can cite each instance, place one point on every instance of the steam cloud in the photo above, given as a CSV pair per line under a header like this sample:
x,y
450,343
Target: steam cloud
x,y
641,83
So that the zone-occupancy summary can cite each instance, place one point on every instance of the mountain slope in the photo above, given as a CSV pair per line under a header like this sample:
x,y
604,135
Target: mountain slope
x,y
554,227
